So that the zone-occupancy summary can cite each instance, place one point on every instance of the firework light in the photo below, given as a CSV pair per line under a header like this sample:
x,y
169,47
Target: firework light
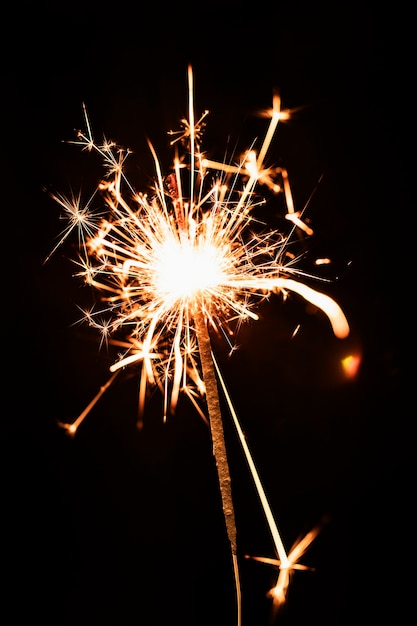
x,y
185,257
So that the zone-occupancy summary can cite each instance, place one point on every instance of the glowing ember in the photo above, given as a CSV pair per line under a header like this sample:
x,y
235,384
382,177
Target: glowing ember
x,y
351,365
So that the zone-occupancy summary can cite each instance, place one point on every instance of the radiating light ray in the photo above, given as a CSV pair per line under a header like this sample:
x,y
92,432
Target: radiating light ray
x,y
71,428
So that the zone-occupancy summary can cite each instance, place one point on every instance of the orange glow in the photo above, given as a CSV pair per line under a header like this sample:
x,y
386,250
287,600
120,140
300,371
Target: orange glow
x,y
351,364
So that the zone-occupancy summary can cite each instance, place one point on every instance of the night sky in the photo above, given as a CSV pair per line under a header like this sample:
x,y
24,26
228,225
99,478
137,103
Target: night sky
x,y
120,527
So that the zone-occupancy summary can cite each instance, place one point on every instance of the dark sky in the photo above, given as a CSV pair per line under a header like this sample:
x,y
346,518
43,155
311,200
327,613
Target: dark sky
x,y
124,528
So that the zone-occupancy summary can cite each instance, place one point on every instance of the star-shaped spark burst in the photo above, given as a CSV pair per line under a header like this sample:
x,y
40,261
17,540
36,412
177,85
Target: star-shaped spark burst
x,y
286,566
187,256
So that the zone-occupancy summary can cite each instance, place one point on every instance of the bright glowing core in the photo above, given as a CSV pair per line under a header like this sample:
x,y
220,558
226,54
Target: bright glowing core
x,y
184,269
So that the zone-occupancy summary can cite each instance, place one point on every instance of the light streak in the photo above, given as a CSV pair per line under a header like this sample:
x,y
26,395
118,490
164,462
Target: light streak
x,y
186,256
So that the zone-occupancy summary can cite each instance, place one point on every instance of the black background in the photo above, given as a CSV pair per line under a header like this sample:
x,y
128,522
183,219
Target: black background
x,y
119,527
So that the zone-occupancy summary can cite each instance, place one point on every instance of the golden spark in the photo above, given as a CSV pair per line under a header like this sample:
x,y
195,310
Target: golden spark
x,y
286,565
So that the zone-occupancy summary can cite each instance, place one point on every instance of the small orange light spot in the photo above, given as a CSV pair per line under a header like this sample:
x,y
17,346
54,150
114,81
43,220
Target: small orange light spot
x,y
351,365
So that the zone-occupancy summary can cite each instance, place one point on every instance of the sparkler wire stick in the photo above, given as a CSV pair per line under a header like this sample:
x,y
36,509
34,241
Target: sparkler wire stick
x,y
217,434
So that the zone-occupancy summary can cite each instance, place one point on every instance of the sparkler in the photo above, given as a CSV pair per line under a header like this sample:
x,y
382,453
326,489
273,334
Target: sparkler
x,y
188,257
